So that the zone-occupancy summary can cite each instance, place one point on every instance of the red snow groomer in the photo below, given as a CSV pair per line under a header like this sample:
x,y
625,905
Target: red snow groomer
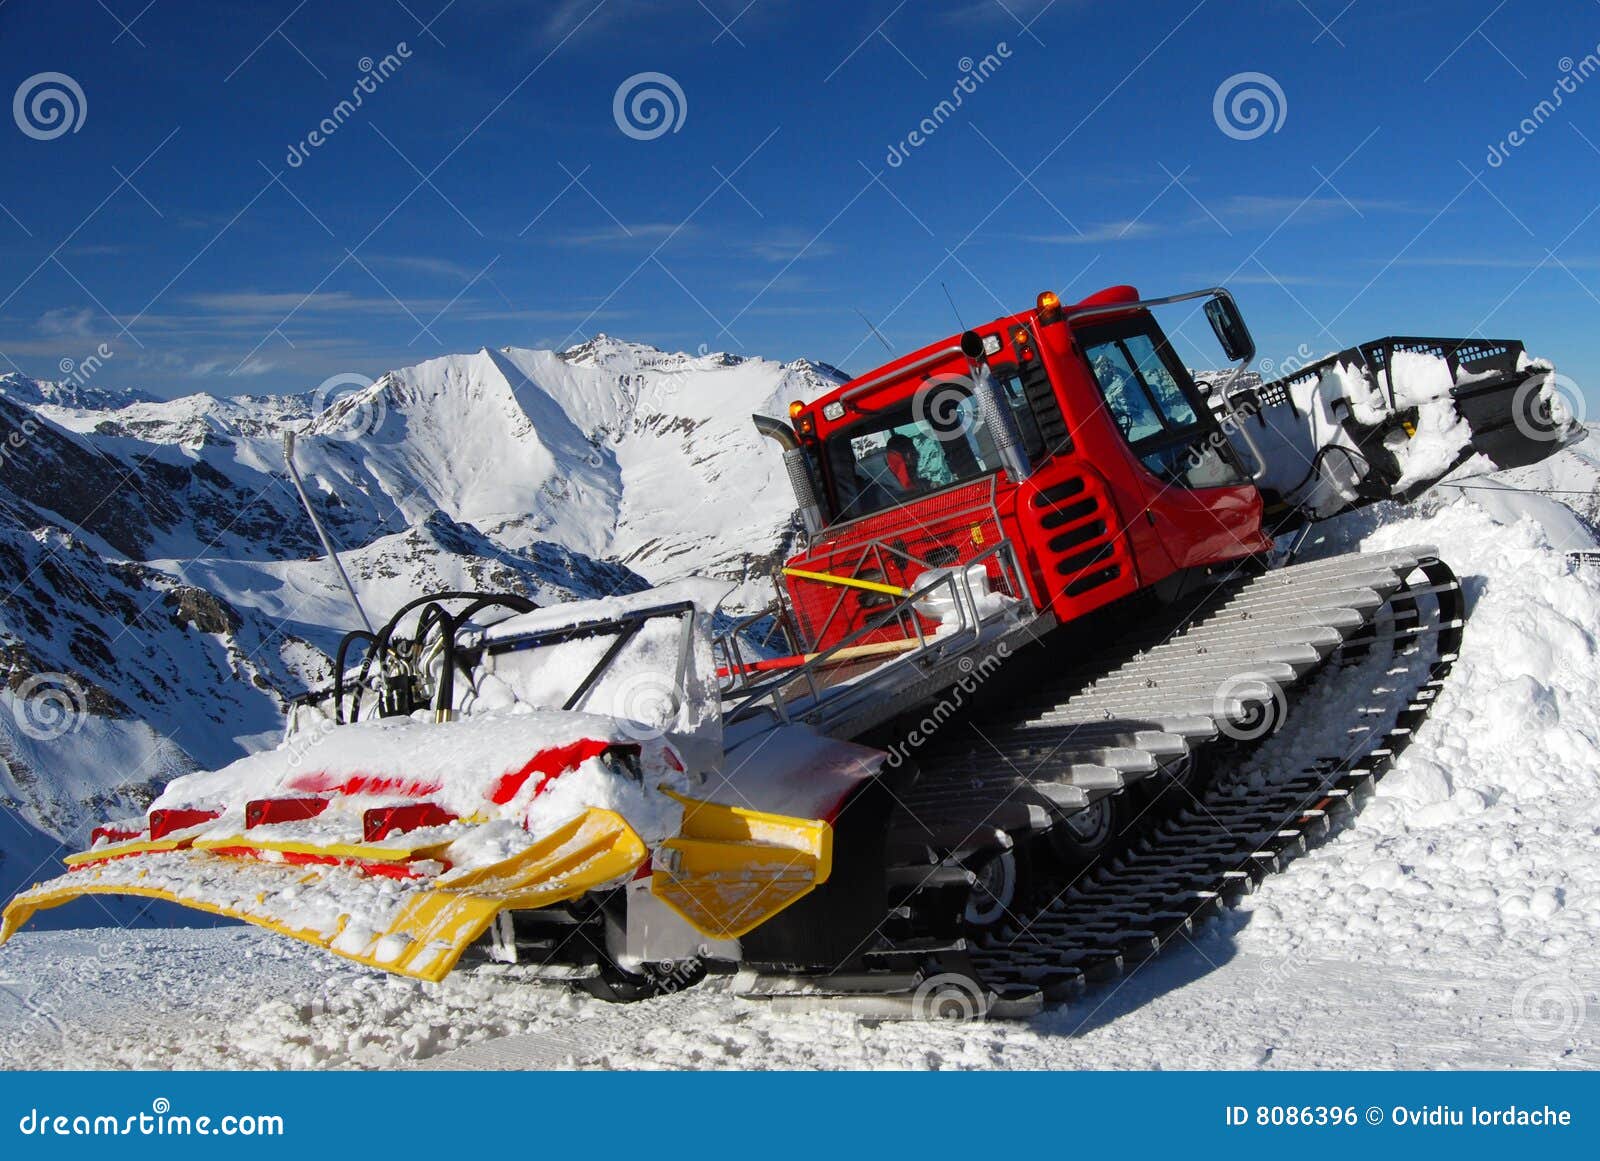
x,y
1010,722
1070,455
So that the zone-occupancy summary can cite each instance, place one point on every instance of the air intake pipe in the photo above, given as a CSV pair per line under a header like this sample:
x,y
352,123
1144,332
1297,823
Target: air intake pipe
x,y
794,458
996,413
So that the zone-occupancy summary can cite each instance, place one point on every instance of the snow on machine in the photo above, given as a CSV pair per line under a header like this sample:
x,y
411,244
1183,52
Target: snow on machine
x,y
990,740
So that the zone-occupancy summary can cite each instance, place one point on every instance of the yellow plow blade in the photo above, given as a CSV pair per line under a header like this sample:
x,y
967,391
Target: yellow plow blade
x,y
732,869
418,931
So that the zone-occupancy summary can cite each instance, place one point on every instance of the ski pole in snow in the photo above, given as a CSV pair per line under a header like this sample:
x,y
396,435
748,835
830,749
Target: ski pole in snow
x,y
322,534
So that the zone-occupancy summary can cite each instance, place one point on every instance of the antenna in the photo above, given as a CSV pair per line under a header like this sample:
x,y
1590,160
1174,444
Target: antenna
x,y
952,299
322,534
873,329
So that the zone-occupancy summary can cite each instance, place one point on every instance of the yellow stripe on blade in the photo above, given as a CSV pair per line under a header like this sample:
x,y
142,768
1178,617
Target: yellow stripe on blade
x,y
423,937
120,850
360,852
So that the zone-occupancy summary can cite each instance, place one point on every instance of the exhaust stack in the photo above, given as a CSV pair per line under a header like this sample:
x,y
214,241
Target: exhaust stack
x,y
794,458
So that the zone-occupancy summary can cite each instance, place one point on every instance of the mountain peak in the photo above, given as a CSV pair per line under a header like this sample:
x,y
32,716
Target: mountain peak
x,y
606,350
69,393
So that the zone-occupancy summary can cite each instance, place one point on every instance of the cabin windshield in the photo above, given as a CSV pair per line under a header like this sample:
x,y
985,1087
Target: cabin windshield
x,y
935,439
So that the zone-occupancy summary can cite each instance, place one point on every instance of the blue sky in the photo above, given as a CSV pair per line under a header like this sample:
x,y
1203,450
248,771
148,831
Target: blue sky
x,y
484,194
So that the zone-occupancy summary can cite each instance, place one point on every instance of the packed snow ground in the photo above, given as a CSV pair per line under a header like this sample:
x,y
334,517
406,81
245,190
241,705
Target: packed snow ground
x,y
1455,924
240,998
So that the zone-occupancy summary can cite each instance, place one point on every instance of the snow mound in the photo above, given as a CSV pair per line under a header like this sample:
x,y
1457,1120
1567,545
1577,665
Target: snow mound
x,y
1481,845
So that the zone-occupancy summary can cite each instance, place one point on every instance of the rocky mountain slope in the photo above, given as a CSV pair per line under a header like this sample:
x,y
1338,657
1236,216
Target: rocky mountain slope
x,y
163,587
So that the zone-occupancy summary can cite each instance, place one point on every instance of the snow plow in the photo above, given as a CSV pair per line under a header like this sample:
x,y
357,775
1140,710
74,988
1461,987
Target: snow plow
x,y
1008,724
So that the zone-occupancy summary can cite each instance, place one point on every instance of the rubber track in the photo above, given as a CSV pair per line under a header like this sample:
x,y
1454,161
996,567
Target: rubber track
x,y
1097,730
1190,866
1093,732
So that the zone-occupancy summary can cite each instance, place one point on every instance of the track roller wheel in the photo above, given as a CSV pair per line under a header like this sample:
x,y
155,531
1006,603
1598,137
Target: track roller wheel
x,y
617,985
1086,834
1185,780
994,895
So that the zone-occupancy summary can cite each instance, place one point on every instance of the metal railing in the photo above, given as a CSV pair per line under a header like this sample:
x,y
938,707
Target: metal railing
x,y
870,553
967,632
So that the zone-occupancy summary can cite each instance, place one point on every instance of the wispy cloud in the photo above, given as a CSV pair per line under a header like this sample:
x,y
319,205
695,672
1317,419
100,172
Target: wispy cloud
x,y
267,304
436,267
254,365
1317,209
1099,234
98,249
64,322
790,245
579,19
634,234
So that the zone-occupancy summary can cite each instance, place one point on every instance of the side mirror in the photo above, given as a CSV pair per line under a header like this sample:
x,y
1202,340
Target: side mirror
x,y
1228,324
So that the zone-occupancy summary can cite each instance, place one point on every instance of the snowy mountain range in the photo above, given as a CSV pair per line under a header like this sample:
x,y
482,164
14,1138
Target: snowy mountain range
x,y
164,588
